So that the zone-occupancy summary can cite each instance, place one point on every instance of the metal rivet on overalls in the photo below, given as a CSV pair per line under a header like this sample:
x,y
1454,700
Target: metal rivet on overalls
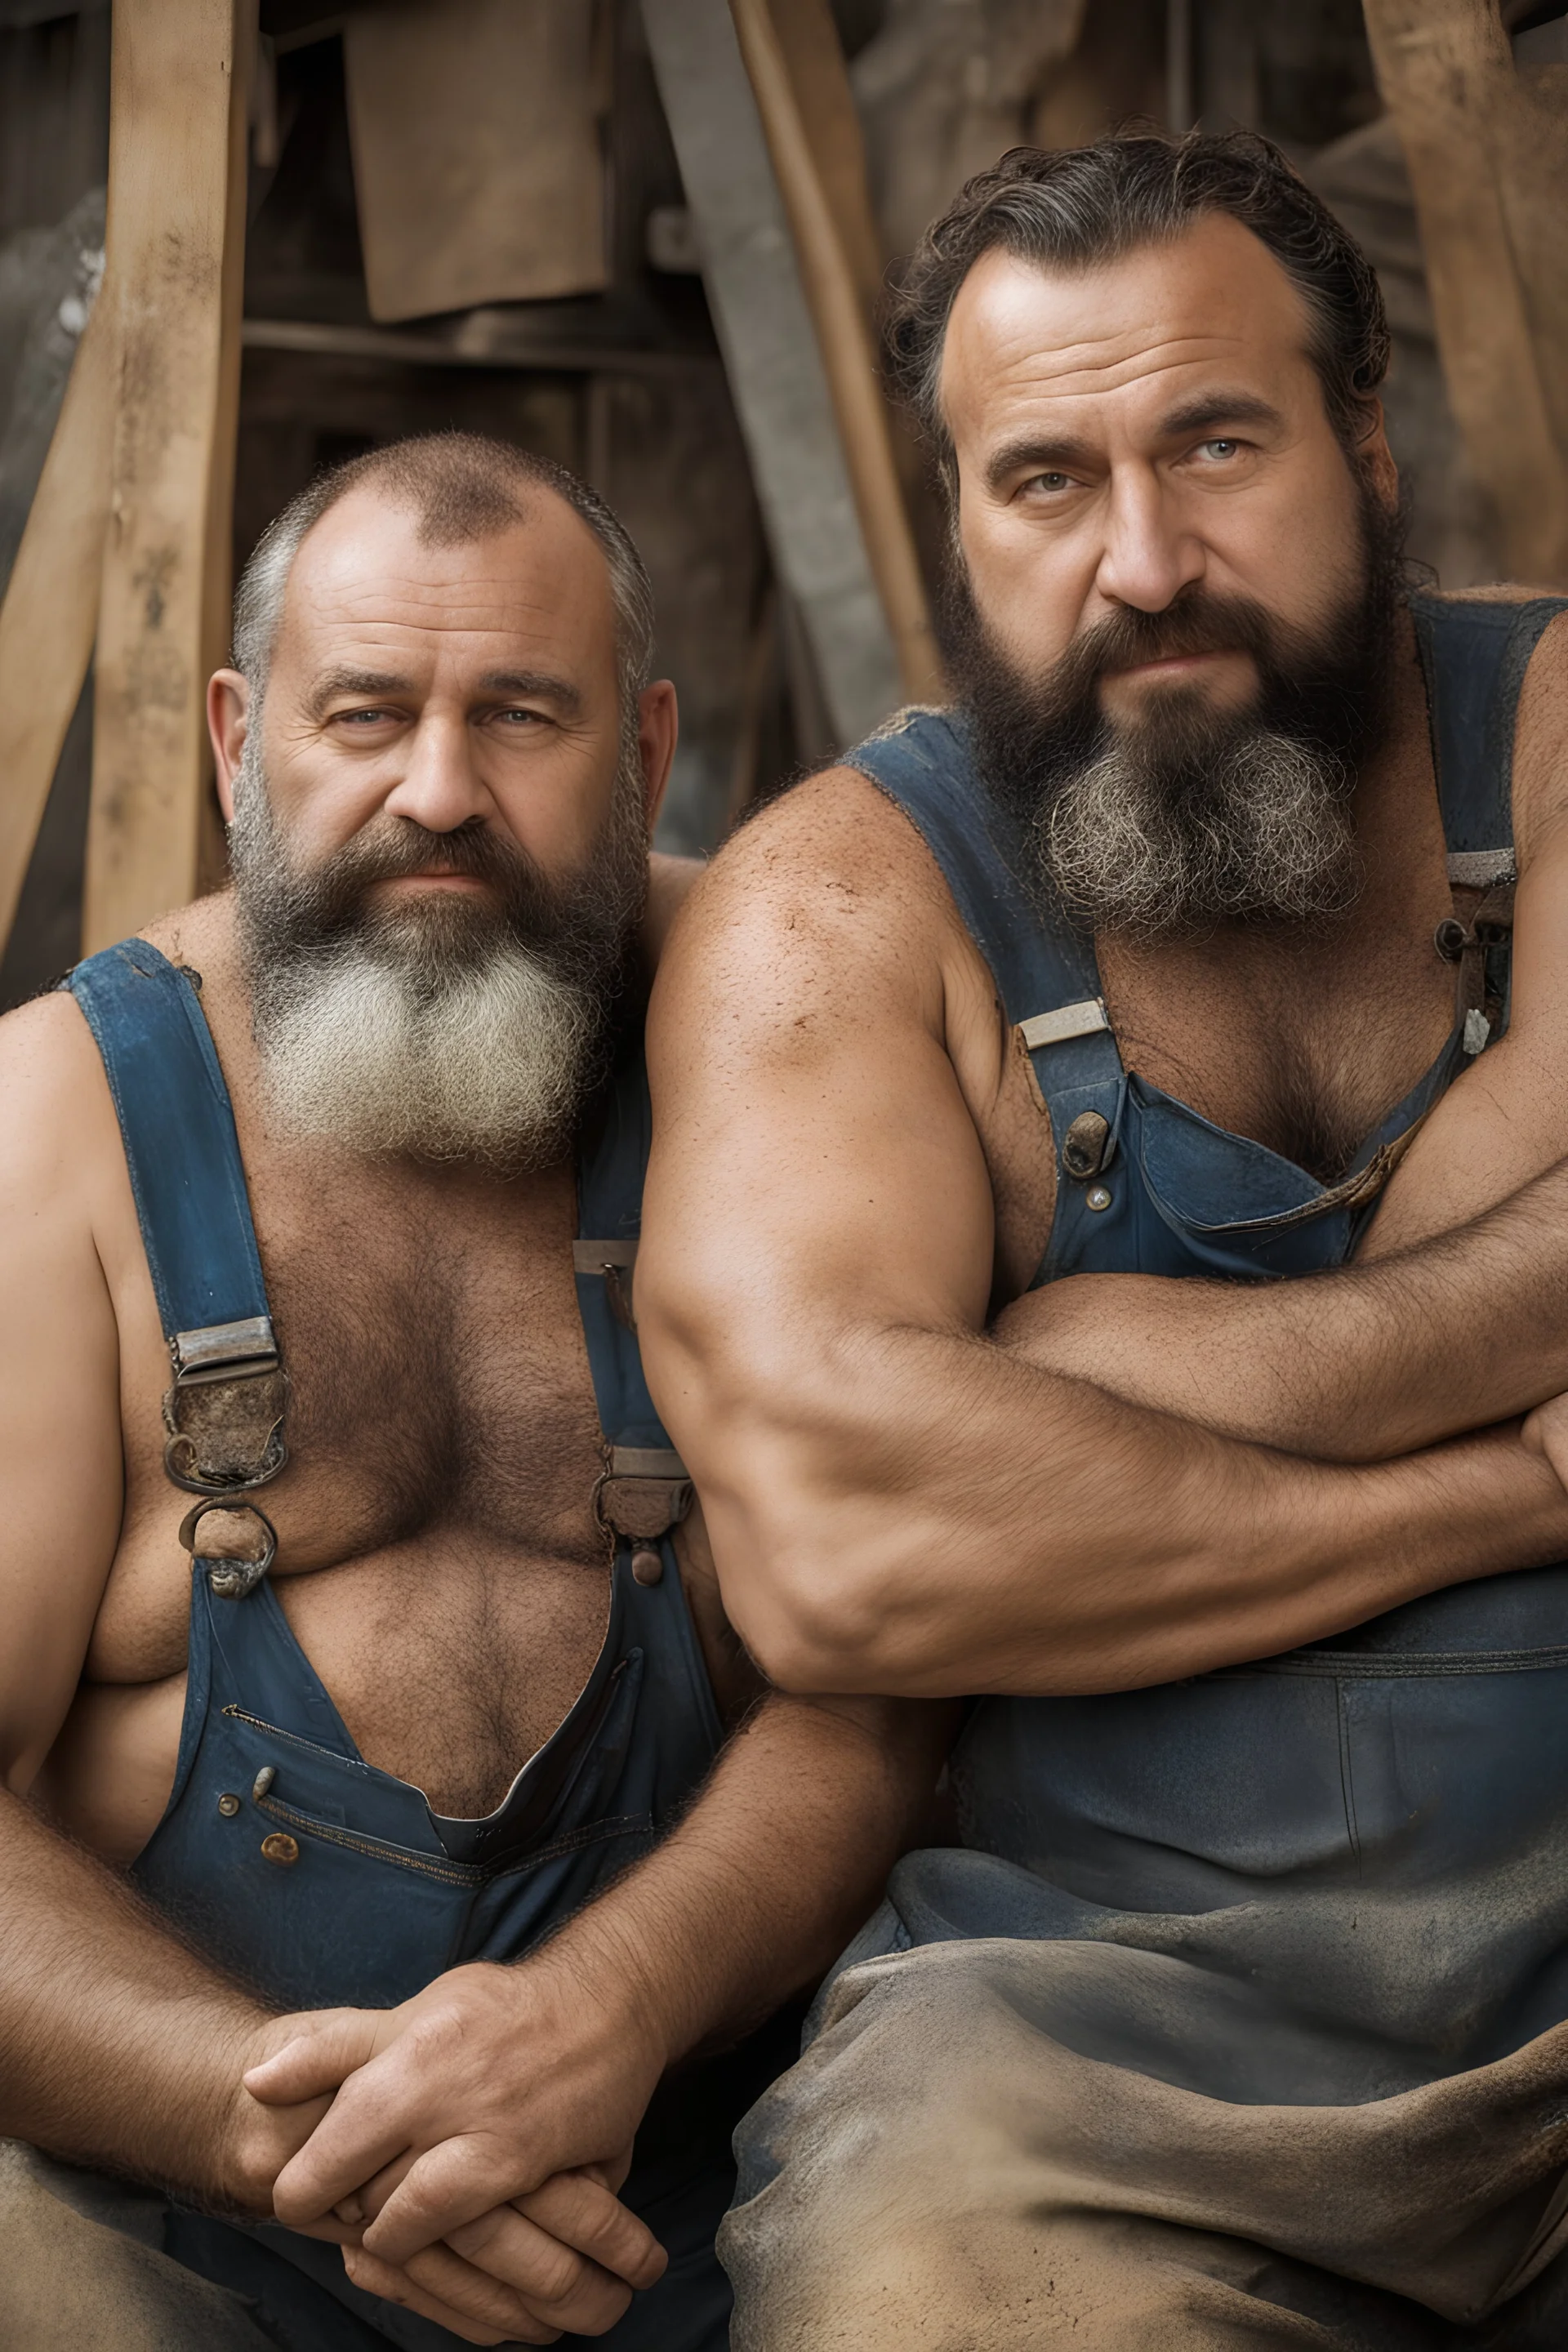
x,y
228,1806
1099,1196
263,1781
648,1566
1084,1144
281,1849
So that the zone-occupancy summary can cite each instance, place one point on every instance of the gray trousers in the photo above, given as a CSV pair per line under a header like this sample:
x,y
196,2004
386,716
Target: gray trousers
x,y
951,2168
80,2271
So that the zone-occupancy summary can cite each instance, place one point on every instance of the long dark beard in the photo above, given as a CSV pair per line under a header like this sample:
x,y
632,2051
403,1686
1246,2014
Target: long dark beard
x,y
447,1026
1192,817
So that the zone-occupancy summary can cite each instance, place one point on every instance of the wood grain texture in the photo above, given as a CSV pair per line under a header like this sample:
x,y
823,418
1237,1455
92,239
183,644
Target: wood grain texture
x,y
172,289
1487,148
478,162
847,358
50,612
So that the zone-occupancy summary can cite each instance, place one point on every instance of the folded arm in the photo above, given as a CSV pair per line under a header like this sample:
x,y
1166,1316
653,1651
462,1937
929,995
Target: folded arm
x,y
895,1501
1456,1312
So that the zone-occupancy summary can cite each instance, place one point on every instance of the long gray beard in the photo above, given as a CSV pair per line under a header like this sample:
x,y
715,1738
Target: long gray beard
x,y
1268,838
382,1043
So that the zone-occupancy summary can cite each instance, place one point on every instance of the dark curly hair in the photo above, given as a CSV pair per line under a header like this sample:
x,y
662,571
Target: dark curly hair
x,y
1074,207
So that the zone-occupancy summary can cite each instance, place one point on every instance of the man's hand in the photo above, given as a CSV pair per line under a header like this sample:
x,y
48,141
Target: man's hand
x,y
461,2105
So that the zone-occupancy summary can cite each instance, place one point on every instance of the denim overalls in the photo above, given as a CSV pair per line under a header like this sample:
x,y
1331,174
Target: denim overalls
x,y
315,1877
1367,1838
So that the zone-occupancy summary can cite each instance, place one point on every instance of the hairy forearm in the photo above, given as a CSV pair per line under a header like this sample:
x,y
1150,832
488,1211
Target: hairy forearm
x,y
935,1515
1359,1365
118,2046
782,1858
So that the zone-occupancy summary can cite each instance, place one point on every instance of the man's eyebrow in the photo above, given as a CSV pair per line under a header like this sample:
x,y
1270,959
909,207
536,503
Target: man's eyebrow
x,y
1045,453
1219,408
541,684
366,682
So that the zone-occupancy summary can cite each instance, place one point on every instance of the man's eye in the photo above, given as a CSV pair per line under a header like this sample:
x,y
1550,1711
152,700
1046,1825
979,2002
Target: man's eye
x,y
1052,481
1220,448
521,718
362,718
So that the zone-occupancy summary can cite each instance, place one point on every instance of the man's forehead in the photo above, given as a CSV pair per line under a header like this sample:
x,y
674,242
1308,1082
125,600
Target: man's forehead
x,y
365,573
1153,323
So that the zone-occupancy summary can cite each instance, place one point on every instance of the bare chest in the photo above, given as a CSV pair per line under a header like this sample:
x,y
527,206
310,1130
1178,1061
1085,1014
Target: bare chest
x,y
1302,1049
438,1554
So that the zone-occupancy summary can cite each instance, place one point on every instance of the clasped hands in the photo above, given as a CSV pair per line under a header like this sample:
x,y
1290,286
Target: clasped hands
x,y
469,2150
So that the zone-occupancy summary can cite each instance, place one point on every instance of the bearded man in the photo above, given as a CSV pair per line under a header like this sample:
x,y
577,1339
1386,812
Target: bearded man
x,y
1176,956
440,1658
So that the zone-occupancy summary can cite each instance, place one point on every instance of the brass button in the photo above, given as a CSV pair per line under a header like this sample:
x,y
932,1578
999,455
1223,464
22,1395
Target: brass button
x,y
1099,1196
648,1566
1083,1145
281,1849
228,1806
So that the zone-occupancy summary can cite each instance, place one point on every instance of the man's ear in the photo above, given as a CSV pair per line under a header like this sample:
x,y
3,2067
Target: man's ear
x,y
228,719
659,729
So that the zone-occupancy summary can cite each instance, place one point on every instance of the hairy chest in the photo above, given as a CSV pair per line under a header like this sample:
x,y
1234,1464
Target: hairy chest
x,y
440,1419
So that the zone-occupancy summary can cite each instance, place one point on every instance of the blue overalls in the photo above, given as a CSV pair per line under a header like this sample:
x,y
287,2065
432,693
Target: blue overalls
x,y
313,1876
1407,1779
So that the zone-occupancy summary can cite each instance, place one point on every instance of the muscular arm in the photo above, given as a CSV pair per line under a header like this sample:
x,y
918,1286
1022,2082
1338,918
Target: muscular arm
x,y
1456,1313
896,1502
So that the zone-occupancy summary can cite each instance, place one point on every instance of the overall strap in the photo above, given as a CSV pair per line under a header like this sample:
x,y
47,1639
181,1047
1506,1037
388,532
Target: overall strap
x,y
223,1413
644,1489
1474,655
1045,970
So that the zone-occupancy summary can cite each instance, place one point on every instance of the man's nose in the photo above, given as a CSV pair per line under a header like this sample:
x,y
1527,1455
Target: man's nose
x,y
1149,554
440,787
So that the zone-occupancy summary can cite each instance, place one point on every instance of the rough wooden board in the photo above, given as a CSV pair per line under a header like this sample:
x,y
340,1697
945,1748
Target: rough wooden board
x,y
848,363
177,131
814,57
477,164
50,612
775,374
1488,166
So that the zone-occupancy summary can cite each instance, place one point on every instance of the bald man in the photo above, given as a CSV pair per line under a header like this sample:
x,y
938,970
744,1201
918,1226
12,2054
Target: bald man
x,y
358,1632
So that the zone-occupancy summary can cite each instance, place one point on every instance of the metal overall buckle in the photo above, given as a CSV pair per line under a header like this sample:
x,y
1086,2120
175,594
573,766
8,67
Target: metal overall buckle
x,y
224,1415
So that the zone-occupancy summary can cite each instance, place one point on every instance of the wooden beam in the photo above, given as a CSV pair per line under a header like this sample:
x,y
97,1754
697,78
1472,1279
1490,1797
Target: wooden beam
x,y
50,612
1488,154
847,358
172,289
774,366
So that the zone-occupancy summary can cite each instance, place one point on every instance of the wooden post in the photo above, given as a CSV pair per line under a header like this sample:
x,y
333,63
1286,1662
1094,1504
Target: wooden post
x,y
172,289
1488,151
50,610
847,358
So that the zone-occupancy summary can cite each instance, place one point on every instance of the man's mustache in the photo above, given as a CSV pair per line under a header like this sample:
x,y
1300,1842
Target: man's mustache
x,y
1196,621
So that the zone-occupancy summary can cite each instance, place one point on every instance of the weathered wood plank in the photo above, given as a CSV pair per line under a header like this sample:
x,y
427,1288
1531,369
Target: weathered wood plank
x,y
1488,153
478,165
171,291
770,349
50,612
847,358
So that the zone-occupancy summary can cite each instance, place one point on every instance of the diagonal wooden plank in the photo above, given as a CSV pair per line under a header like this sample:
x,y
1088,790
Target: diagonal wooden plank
x,y
172,289
848,361
50,610
770,350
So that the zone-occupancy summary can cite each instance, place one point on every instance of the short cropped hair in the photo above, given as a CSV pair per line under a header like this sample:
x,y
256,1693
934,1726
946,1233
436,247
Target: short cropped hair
x,y
462,487
1073,208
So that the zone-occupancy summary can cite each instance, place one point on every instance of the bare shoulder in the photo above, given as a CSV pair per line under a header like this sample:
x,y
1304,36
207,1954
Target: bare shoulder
x,y
53,1101
1541,750
823,888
